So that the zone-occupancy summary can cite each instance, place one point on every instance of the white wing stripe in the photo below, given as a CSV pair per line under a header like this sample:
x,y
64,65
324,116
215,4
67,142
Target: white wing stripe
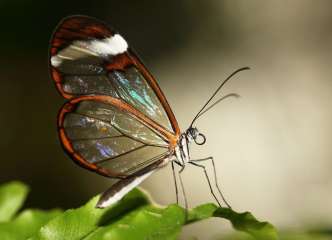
x,y
105,202
111,46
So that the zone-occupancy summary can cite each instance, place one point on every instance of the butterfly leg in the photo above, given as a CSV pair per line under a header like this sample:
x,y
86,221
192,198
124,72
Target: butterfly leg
x,y
208,180
182,186
175,183
194,162
215,178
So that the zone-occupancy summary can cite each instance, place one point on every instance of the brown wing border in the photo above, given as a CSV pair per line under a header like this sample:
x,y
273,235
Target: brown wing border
x,y
88,27
98,29
64,33
153,83
67,145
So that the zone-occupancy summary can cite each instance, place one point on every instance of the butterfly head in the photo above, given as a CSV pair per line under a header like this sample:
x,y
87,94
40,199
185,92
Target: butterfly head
x,y
193,134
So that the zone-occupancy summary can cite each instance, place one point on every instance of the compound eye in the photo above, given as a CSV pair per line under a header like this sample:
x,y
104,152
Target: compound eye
x,y
200,139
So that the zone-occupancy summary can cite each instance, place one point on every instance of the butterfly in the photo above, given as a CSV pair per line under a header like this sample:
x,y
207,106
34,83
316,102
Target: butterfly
x,y
116,121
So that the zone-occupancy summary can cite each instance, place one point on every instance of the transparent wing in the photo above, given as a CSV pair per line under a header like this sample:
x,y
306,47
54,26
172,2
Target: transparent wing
x,y
89,58
101,135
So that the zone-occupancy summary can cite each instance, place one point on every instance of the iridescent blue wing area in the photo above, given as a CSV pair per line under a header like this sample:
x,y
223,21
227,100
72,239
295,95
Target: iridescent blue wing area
x,y
87,58
102,134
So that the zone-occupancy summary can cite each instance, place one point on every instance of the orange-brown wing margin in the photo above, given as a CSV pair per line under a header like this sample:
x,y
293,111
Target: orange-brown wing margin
x,y
78,158
80,28
153,83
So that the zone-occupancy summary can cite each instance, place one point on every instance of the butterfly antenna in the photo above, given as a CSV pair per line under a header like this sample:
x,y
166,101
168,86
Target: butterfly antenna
x,y
217,102
200,112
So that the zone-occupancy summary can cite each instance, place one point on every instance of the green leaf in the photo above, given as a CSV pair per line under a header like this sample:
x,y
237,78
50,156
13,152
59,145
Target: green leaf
x,y
78,223
26,224
134,217
245,222
148,222
151,222
12,197
201,212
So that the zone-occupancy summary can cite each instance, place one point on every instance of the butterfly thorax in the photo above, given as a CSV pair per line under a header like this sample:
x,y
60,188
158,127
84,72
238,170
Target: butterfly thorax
x,y
182,152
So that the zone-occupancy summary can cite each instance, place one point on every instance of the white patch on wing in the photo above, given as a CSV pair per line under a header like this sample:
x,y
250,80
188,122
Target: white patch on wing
x,y
109,46
123,191
56,61
98,47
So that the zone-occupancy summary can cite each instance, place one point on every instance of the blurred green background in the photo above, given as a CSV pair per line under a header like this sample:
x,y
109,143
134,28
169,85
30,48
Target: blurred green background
x,y
272,146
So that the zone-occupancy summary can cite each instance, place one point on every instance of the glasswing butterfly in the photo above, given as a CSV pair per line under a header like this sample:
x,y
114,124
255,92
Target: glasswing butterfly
x,y
117,121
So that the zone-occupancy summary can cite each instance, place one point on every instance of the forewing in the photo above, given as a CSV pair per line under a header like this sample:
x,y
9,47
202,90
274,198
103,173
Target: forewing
x,y
104,135
89,58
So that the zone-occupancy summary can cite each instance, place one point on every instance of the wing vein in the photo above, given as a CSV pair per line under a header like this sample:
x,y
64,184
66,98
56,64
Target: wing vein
x,y
108,122
100,138
147,162
120,155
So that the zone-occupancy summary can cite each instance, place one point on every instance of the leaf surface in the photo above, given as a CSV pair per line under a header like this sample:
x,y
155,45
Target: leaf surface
x,y
12,197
